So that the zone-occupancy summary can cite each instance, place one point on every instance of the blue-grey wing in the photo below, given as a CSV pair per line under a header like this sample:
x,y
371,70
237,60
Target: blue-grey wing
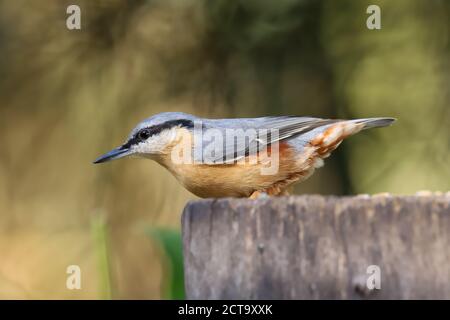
x,y
228,140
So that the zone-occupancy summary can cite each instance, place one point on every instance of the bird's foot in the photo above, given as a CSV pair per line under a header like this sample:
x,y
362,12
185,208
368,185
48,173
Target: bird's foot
x,y
259,195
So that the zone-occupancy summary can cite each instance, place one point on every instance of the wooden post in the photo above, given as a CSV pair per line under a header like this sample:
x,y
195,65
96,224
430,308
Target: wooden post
x,y
315,247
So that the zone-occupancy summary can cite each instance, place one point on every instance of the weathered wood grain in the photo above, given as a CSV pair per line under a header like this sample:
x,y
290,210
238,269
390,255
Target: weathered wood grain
x,y
314,247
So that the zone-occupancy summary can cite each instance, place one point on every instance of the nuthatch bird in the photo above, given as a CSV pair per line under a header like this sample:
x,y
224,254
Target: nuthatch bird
x,y
246,157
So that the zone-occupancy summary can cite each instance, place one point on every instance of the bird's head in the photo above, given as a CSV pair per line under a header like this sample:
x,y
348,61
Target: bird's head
x,y
152,136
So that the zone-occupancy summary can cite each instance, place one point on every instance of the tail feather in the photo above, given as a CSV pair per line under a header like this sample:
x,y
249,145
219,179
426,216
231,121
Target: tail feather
x,y
376,122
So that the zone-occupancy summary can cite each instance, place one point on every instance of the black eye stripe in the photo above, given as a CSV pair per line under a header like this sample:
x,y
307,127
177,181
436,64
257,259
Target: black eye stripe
x,y
153,130
168,125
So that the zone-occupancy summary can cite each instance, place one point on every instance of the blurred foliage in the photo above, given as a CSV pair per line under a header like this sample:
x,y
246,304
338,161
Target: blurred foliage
x,y
67,96
171,245
100,234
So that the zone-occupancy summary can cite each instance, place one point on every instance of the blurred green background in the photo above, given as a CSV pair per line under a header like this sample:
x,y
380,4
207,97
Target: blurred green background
x,y
68,96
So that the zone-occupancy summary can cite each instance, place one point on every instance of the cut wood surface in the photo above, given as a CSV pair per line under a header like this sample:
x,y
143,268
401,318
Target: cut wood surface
x,y
316,247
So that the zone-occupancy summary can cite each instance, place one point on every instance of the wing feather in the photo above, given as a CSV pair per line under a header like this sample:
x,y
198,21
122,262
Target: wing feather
x,y
254,135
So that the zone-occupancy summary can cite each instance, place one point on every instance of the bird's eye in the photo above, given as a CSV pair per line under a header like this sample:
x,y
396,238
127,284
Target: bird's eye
x,y
144,134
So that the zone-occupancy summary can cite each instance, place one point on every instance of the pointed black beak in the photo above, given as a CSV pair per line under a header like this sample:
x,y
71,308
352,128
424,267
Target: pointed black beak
x,y
114,154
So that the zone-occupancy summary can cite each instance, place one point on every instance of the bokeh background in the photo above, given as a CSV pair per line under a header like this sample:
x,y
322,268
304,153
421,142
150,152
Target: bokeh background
x,y
68,96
